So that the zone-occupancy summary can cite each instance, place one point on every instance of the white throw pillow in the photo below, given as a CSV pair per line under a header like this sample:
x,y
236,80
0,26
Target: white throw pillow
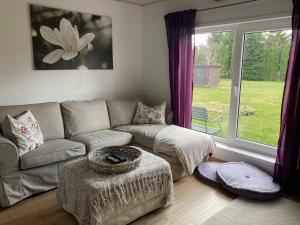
x,y
150,115
25,131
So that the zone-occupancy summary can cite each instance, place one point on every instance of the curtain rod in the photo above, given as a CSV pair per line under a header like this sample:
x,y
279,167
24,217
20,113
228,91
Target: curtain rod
x,y
223,6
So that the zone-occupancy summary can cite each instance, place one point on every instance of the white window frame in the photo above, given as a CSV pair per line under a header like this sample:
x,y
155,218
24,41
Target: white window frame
x,y
240,29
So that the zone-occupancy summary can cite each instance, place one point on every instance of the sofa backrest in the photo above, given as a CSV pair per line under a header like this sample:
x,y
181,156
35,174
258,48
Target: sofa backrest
x,y
122,111
84,116
47,114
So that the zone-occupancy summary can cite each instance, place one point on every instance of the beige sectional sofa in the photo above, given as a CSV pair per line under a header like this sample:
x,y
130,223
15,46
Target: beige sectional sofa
x,y
71,129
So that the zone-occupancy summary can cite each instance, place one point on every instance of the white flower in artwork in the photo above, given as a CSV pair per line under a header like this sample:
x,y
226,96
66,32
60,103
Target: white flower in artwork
x,y
67,37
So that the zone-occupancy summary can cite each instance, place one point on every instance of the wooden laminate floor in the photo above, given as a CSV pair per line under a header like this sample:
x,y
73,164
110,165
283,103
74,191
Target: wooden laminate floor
x,y
194,203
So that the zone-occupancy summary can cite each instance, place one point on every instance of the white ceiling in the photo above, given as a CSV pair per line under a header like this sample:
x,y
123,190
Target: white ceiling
x,y
140,2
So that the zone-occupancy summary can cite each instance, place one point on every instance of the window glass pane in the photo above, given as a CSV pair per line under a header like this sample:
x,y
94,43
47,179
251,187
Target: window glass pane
x,y
264,66
212,82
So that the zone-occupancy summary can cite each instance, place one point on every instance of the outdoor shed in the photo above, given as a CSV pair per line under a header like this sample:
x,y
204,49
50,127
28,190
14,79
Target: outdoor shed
x,y
206,75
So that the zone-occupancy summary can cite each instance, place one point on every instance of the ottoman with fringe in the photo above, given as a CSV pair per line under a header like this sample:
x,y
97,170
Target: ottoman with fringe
x,y
95,198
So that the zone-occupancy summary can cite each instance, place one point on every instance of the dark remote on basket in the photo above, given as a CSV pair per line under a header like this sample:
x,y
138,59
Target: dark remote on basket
x,y
113,159
119,157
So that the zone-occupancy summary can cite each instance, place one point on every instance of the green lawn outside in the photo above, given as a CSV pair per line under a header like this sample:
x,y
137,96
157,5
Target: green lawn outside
x,y
261,100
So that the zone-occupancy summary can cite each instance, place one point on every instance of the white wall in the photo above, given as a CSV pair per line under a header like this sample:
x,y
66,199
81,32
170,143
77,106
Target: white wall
x,y
20,84
155,49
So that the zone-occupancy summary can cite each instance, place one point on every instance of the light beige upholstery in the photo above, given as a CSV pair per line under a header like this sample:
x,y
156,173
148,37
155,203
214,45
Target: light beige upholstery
x,y
121,112
8,150
142,134
86,124
84,116
169,117
51,151
47,114
16,184
103,138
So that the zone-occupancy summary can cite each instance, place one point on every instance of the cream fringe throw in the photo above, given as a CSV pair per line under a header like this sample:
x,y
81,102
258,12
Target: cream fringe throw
x,y
93,198
190,146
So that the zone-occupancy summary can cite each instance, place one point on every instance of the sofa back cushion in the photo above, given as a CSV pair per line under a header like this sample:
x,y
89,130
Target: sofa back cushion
x,y
47,114
84,116
121,111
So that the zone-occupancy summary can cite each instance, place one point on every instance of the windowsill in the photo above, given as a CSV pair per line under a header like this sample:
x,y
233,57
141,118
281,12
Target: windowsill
x,y
230,153
245,152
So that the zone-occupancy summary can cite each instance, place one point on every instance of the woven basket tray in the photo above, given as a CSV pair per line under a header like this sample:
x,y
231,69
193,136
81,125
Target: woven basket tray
x,y
98,163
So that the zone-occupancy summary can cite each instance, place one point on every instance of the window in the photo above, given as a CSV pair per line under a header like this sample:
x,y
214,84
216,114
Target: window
x,y
239,78
212,82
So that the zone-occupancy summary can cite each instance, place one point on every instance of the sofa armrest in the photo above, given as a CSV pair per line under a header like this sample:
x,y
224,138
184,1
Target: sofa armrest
x,y
10,179
8,150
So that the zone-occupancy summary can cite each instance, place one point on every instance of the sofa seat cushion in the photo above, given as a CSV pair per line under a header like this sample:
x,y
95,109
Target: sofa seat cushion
x,y
143,134
51,151
103,138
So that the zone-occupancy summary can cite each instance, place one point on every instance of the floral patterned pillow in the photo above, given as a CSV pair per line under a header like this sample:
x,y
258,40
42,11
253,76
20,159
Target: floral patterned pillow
x,y
150,115
25,131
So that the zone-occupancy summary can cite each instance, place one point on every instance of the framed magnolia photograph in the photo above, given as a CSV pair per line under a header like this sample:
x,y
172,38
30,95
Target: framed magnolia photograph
x,y
63,39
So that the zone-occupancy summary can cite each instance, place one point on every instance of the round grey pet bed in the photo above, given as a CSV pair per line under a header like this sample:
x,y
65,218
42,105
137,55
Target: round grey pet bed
x,y
248,181
207,171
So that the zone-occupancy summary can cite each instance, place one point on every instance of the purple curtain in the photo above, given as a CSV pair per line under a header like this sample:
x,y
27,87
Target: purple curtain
x,y
180,30
287,171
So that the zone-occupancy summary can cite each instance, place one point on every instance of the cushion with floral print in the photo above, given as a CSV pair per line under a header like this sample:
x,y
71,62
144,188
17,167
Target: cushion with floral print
x,y
150,115
24,130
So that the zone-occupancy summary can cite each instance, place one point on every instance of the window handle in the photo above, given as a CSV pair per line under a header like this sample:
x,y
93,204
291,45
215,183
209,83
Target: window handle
x,y
235,91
